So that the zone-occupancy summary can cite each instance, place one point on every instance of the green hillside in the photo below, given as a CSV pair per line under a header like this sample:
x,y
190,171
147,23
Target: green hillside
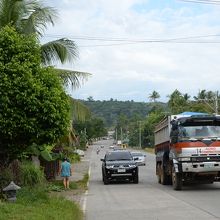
x,y
110,110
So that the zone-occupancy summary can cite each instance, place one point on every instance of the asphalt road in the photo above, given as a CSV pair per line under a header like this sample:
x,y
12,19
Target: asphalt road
x,y
148,199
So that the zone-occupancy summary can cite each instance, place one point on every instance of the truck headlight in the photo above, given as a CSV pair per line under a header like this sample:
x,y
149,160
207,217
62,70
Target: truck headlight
x,y
184,159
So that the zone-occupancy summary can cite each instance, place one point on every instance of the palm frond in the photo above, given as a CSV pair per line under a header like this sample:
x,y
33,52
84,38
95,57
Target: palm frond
x,y
37,19
62,49
11,11
73,77
79,111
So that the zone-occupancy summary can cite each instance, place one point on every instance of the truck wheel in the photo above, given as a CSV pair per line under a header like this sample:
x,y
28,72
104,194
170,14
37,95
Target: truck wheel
x,y
159,173
165,179
177,180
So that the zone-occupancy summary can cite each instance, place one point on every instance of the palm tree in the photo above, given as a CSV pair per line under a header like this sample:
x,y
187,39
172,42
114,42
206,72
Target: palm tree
x,y
32,17
186,96
202,95
177,102
154,96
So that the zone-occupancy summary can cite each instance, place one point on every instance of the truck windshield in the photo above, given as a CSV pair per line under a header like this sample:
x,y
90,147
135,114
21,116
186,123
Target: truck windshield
x,y
206,131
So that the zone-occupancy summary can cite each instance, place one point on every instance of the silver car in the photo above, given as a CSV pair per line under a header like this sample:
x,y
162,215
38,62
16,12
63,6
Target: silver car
x,y
139,158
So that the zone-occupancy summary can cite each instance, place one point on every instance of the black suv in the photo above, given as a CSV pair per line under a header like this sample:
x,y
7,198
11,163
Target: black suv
x,y
119,165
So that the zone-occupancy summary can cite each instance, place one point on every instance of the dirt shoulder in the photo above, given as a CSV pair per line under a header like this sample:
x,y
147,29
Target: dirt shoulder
x,y
80,170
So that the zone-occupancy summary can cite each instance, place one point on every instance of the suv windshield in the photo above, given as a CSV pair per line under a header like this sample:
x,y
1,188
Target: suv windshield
x,y
137,154
118,155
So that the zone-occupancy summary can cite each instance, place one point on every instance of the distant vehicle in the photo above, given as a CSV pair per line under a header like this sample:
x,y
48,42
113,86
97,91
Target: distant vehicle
x,y
102,146
117,148
119,165
139,158
80,152
111,147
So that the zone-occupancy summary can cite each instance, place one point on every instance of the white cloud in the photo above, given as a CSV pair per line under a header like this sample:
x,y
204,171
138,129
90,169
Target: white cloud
x,y
133,71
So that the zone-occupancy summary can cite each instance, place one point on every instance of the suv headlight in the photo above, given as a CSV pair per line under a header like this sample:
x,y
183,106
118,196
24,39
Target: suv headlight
x,y
132,165
109,166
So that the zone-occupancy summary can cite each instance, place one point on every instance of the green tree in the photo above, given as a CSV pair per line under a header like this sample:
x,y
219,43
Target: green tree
x,y
32,17
154,96
33,105
177,102
149,126
206,100
90,99
201,95
93,128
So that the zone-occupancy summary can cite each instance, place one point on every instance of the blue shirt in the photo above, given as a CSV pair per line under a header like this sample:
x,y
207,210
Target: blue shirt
x,y
65,169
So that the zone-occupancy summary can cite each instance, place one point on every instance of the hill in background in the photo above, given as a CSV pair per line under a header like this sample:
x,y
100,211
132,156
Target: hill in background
x,y
110,110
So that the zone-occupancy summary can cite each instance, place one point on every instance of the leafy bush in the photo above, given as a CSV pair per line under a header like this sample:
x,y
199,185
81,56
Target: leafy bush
x,y
34,107
31,175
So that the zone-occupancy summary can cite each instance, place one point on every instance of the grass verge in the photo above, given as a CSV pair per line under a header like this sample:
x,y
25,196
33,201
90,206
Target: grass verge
x,y
36,204
57,185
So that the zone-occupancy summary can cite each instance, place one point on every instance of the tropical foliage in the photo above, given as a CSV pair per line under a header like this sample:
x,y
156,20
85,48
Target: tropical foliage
x,y
110,110
34,107
32,17
89,130
154,96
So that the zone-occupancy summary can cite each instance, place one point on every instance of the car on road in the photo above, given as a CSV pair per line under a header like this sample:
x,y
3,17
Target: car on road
x,y
139,158
119,165
80,152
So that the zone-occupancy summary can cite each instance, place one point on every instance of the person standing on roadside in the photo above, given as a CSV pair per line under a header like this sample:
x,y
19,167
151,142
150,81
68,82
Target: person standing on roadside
x,y
66,172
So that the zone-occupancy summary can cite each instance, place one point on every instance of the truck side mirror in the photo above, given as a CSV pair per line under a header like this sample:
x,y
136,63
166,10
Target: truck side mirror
x,y
174,136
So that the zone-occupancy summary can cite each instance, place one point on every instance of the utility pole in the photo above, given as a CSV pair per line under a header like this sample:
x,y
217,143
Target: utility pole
x,y
140,134
216,103
116,134
121,135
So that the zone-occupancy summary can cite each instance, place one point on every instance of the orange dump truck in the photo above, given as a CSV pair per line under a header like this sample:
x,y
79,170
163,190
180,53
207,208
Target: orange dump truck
x,y
187,148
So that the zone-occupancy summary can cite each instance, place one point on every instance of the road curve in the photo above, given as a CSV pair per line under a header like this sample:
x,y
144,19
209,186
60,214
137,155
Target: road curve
x,y
148,199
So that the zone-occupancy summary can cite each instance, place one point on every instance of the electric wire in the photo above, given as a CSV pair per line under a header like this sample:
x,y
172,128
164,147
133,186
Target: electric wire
x,y
127,41
201,2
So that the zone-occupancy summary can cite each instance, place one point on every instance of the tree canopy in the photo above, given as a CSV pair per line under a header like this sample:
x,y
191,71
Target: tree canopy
x,y
33,105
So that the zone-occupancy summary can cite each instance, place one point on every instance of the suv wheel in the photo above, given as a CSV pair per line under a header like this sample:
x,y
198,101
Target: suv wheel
x,y
136,179
105,180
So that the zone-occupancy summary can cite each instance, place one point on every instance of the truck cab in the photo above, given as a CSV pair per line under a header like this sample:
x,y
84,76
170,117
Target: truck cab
x,y
187,149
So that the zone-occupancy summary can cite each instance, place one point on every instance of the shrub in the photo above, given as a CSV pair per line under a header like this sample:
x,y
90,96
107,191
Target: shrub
x,y
31,175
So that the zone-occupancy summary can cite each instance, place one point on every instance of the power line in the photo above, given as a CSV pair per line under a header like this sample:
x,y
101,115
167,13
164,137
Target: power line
x,y
121,44
127,41
89,38
210,2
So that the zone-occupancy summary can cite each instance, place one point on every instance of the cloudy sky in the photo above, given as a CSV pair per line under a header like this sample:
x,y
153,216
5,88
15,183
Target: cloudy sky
x,y
133,47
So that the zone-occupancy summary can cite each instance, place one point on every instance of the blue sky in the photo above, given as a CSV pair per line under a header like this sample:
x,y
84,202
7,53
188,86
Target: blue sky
x,y
124,70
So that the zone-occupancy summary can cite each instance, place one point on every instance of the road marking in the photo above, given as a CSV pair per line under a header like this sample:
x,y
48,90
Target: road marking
x,y
87,192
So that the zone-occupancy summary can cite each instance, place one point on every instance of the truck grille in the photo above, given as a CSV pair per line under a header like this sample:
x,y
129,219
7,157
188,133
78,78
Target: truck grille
x,y
205,159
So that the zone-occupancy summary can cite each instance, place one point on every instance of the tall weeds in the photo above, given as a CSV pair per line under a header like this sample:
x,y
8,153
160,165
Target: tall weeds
x,y
30,175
